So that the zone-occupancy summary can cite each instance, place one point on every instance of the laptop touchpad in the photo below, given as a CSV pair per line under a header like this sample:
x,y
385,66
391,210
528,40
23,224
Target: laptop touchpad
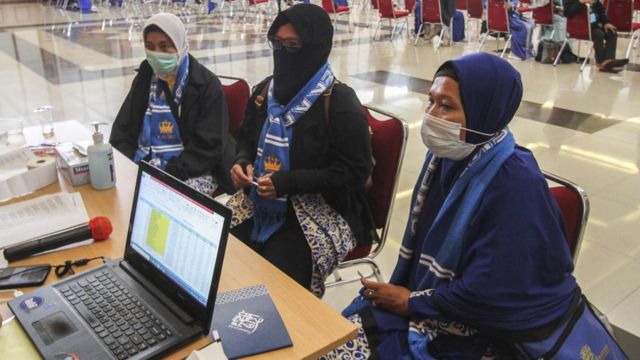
x,y
54,327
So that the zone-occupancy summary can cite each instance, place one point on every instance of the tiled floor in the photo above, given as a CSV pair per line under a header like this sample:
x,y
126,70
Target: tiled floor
x,y
581,126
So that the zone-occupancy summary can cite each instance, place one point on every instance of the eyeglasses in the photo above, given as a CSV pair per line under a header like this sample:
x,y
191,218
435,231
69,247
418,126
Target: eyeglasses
x,y
290,45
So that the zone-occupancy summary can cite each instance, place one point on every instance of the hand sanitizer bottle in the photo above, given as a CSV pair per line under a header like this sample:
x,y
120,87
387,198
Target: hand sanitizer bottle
x,y
101,168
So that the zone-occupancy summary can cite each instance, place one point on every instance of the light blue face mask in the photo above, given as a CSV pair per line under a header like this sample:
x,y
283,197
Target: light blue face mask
x,y
162,63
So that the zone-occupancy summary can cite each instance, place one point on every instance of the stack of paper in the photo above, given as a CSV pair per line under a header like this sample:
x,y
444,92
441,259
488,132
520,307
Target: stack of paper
x,y
21,172
40,216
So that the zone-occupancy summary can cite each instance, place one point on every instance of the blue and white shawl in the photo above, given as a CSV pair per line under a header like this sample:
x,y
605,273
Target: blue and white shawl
x,y
442,249
273,149
160,134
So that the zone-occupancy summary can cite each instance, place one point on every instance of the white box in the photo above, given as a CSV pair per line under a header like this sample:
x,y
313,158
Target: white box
x,y
73,165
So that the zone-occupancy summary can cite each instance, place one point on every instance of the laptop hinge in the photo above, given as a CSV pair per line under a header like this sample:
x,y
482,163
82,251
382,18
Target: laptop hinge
x,y
157,293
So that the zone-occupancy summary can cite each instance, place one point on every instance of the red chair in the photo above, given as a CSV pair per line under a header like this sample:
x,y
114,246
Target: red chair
x,y
388,141
620,13
475,10
578,28
497,23
330,7
387,11
258,6
461,5
431,14
237,92
574,205
543,16
410,5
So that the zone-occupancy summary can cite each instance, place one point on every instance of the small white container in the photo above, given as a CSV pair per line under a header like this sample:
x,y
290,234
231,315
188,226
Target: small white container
x,y
101,167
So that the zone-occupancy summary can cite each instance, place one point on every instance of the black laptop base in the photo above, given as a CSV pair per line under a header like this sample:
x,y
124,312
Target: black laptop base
x,y
107,312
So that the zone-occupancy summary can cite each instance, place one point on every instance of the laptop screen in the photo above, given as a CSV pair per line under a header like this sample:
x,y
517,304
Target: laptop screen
x,y
176,235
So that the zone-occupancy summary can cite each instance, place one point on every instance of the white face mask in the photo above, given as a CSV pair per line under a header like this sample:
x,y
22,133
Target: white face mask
x,y
442,138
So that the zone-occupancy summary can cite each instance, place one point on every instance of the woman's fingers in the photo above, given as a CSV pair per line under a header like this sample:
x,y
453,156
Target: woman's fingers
x,y
371,284
238,177
249,172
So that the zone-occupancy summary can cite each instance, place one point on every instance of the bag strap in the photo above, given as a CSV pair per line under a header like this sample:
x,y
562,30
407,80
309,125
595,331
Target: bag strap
x,y
259,101
567,330
326,99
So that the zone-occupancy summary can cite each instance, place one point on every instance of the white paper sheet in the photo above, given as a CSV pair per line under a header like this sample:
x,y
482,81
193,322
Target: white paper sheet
x,y
40,216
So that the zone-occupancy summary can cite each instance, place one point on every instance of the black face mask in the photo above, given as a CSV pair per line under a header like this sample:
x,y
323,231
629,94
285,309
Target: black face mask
x,y
291,71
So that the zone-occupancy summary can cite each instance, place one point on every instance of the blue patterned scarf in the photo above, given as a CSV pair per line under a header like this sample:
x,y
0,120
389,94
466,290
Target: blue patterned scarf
x,y
442,249
273,149
160,134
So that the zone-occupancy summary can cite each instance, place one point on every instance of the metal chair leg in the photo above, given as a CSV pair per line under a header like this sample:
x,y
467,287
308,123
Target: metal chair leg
x,y
506,45
482,40
375,33
406,26
393,29
584,63
376,271
634,36
564,45
418,34
336,275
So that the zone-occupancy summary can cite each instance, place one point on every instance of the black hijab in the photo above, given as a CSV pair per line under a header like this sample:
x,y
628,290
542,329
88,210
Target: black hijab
x,y
291,71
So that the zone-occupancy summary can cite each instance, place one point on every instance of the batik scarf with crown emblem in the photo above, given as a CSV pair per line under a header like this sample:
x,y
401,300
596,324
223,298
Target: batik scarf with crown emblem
x,y
273,149
160,135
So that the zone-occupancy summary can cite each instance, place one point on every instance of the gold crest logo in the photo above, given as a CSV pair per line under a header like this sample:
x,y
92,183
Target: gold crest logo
x,y
587,354
272,164
166,127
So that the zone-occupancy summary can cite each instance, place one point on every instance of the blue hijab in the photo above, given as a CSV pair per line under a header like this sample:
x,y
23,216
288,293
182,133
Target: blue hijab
x,y
496,251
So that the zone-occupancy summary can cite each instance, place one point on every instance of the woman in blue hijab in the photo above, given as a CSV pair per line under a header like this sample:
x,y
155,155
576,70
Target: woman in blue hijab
x,y
484,256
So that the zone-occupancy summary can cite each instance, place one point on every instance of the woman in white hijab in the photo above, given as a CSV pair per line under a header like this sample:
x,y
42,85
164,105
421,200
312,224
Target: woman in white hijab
x,y
175,115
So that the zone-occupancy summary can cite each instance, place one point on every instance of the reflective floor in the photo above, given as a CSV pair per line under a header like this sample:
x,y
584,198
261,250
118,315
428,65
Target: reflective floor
x,y
582,126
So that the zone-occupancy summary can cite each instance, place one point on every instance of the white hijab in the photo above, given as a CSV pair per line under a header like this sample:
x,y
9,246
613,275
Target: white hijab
x,y
174,28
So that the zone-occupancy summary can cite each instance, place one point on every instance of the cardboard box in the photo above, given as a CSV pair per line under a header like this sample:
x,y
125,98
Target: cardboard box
x,y
73,165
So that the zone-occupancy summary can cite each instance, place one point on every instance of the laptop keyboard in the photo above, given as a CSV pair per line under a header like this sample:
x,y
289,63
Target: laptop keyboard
x,y
125,325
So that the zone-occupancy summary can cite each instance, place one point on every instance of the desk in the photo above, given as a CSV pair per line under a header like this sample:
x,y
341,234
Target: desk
x,y
313,326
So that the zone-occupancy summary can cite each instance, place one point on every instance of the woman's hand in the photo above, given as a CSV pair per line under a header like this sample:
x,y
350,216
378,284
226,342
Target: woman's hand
x,y
240,178
266,188
387,296
610,27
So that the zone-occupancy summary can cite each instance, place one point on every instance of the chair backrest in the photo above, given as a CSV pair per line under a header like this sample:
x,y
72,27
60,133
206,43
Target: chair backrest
x,y
461,4
574,206
385,8
329,6
544,15
497,18
431,12
620,13
636,5
409,4
475,9
579,26
388,141
237,93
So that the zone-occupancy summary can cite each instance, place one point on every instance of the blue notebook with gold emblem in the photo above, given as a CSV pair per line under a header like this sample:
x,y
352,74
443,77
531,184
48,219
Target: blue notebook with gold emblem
x,y
248,322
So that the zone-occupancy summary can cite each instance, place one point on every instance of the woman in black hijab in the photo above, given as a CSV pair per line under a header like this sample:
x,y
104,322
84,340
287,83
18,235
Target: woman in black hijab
x,y
303,156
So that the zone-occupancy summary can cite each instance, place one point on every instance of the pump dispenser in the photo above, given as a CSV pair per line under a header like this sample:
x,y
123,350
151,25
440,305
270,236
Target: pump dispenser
x,y
101,167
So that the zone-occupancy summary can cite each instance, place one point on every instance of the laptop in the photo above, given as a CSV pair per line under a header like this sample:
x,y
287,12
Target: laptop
x,y
159,296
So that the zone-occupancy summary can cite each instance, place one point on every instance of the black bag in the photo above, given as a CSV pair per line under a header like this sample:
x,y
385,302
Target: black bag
x,y
567,56
548,51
